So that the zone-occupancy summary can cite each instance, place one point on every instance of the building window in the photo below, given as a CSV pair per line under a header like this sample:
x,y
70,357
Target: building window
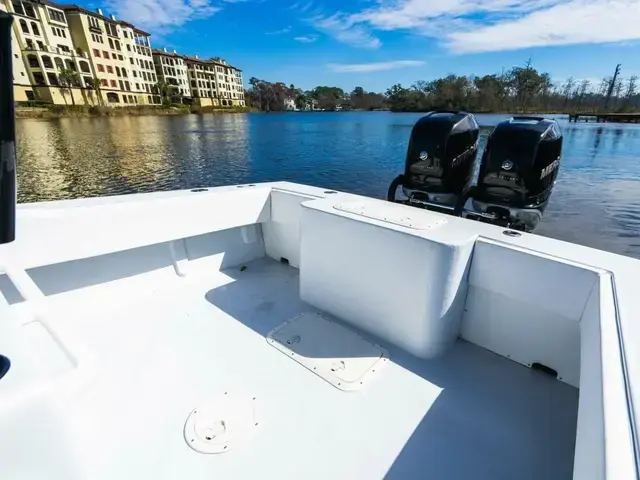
x,y
53,80
29,11
100,67
38,78
124,73
46,61
128,48
121,58
93,22
118,71
124,99
59,63
127,86
96,52
33,61
114,84
105,54
137,86
113,97
109,69
117,43
110,43
24,27
84,67
70,65
17,7
104,83
56,16
131,60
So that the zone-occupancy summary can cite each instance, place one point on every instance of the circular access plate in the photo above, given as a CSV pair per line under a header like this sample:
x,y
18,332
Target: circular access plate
x,y
224,423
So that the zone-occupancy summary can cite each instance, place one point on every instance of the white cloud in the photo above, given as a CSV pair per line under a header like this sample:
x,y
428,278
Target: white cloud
x,y
578,21
282,31
306,38
470,26
374,67
344,29
161,15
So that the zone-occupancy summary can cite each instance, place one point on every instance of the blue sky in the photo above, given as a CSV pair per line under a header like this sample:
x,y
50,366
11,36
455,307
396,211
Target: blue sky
x,y
376,43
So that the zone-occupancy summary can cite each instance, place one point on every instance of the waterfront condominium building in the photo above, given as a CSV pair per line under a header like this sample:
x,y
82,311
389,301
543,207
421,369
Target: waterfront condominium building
x,y
229,83
137,50
117,67
21,80
210,86
171,68
66,54
43,45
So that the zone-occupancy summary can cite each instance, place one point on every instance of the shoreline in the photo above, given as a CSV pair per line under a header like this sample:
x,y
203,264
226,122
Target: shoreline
x,y
93,111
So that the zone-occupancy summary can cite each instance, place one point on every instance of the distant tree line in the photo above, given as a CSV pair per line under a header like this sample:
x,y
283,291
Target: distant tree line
x,y
275,97
520,89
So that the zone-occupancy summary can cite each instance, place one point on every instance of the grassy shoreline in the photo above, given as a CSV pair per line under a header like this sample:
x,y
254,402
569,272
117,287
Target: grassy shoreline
x,y
89,111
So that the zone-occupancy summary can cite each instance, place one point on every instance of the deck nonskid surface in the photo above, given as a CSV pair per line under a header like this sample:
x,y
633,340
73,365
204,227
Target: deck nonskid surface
x,y
471,414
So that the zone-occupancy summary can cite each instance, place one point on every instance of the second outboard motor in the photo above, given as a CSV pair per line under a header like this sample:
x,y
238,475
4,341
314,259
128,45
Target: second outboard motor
x,y
440,158
518,170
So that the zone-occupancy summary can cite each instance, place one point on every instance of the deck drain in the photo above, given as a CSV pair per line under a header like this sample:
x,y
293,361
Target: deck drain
x,y
226,422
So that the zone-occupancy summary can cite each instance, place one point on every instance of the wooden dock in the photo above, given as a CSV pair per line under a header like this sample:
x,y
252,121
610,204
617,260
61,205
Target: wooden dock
x,y
605,117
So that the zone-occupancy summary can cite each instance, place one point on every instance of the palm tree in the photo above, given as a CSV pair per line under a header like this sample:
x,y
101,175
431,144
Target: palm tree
x,y
68,79
93,83
163,89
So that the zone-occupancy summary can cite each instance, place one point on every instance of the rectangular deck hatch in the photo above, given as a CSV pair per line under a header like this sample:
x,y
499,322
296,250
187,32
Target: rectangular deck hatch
x,y
335,353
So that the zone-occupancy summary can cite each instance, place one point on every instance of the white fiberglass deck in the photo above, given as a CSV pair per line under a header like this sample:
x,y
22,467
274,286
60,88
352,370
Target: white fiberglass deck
x,y
140,331
161,356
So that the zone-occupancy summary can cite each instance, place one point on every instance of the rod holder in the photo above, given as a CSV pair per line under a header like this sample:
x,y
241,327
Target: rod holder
x,y
7,135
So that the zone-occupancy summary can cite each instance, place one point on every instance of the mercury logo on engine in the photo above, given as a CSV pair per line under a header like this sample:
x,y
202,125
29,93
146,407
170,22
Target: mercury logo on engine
x,y
549,168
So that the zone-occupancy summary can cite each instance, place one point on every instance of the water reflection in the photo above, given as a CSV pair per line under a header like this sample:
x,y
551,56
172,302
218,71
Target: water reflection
x,y
596,201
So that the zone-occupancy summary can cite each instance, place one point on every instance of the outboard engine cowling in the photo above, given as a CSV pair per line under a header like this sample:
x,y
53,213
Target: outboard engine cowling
x,y
518,170
440,158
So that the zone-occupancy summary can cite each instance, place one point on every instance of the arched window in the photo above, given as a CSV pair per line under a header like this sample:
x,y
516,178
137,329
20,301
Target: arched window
x,y
113,97
59,63
118,71
84,66
34,28
111,44
46,61
70,65
24,27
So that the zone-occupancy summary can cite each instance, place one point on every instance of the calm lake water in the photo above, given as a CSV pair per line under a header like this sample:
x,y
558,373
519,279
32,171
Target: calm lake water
x,y
596,201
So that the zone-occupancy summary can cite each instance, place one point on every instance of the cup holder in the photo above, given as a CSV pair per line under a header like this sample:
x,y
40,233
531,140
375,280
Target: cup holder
x,y
5,365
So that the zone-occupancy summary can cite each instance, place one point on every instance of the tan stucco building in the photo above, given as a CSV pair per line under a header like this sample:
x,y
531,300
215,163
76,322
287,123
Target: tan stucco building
x,y
66,54
203,82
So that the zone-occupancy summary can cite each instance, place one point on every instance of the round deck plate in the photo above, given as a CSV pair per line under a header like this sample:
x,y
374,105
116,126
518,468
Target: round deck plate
x,y
224,423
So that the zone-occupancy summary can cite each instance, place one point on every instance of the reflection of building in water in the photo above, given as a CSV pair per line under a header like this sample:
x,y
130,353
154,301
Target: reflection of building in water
x,y
66,54
141,153
47,167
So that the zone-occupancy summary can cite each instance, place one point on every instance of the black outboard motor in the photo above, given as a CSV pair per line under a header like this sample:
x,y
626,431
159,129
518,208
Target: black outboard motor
x,y
7,135
439,165
518,170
